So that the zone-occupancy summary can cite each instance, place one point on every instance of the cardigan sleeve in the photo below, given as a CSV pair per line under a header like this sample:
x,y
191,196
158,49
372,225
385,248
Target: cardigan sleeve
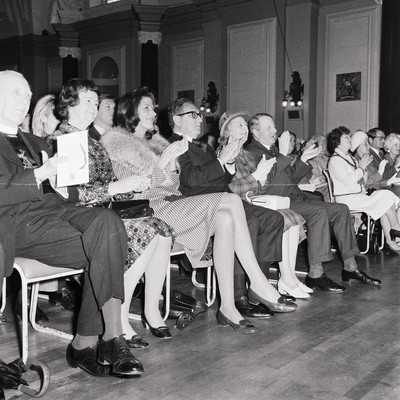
x,y
343,172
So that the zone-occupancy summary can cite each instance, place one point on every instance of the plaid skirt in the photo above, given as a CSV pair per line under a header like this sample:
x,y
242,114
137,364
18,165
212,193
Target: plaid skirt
x,y
292,218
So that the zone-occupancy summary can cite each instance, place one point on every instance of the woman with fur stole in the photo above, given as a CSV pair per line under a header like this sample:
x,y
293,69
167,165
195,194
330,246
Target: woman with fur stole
x,y
134,149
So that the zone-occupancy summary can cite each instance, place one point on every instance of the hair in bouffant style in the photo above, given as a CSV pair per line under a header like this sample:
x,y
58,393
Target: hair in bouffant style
x,y
333,139
127,112
69,95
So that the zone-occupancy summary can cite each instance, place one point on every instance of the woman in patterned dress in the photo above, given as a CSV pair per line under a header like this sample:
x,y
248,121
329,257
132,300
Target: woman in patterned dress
x,y
149,239
135,150
248,178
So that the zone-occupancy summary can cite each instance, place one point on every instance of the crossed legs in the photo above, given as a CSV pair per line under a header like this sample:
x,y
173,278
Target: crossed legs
x,y
232,235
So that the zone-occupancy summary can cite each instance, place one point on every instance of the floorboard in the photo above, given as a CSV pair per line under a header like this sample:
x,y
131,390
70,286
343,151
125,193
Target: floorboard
x,y
335,346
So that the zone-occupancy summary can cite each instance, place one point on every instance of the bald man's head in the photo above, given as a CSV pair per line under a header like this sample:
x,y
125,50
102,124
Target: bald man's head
x,y
15,98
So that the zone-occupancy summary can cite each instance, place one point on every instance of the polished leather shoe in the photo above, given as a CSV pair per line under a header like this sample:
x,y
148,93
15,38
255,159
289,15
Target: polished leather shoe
x,y
66,297
324,283
162,332
360,276
116,353
243,326
137,342
283,305
86,359
250,311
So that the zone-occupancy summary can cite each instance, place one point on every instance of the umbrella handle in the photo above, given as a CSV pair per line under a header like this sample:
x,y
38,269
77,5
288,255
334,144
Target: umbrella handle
x,y
45,384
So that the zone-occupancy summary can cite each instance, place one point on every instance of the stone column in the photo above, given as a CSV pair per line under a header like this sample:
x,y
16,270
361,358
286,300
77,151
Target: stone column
x,y
70,57
149,38
69,50
149,66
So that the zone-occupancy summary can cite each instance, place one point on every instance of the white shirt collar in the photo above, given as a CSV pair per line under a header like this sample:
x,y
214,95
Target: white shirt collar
x,y
99,129
9,130
376,151
267,146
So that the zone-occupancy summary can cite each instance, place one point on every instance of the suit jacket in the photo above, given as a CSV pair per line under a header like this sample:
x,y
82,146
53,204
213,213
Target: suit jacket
x,y
174,137
375,180
22,202
283,178
201,172
94,133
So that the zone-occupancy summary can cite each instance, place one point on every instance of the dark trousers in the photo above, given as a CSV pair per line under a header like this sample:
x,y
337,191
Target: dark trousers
x,y
320,216
90,238
266,230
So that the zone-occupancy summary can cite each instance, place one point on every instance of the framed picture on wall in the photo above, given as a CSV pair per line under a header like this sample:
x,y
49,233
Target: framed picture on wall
x,y
348,86
186,93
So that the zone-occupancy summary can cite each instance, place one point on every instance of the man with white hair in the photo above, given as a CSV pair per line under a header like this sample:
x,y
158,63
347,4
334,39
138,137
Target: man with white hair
x,y
37,222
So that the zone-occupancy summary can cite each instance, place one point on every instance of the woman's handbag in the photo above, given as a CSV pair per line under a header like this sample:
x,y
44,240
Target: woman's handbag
x,y
128,209
269,201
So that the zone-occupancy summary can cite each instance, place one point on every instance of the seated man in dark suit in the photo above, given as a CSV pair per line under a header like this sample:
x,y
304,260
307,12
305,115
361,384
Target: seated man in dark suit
x,y
42,223
319,215
202,172
105,116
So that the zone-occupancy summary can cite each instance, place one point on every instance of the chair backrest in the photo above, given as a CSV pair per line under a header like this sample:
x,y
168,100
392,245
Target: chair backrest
x,y
330,185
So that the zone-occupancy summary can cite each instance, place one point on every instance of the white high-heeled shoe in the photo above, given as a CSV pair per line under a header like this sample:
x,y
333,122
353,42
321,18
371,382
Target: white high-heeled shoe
x,y
298,292
305,288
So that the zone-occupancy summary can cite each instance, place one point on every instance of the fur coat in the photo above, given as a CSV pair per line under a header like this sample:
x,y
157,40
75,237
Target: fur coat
x,y
139,156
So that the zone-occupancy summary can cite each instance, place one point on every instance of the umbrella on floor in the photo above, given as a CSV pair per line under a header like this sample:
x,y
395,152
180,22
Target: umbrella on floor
x,y
11,377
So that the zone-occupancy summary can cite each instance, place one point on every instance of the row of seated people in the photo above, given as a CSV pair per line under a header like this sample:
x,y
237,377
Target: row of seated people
x,y
366,170
195,193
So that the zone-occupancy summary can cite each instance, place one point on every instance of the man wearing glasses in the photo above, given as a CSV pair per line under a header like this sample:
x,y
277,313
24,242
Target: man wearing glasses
x,y
376,140
202,172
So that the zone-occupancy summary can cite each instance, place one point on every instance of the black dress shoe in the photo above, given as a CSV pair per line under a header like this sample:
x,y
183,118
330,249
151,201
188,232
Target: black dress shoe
x,y
283,305
243,326
324,283
137,342
162,332
116,353
250,311
86,359
66,297
360,276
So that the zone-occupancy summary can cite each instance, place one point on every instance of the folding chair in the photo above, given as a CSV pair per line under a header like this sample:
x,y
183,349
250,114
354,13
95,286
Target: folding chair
x,y
33,272
211,285
370,223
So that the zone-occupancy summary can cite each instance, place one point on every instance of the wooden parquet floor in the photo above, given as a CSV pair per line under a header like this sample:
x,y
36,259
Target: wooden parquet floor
x,y
335,346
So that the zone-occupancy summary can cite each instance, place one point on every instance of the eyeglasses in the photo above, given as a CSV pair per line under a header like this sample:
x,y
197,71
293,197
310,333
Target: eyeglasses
x,y
194,114
380,137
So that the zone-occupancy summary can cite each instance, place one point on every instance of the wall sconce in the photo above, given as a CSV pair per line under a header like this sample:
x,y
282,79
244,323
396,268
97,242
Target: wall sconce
x,y
209,104
294,96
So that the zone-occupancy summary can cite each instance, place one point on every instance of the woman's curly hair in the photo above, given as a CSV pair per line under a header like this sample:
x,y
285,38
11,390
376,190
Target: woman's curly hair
x,y
127,116
333,139
69,95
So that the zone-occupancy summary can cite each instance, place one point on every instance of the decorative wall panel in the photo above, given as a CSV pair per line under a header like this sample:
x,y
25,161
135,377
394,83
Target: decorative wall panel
x,y
251,66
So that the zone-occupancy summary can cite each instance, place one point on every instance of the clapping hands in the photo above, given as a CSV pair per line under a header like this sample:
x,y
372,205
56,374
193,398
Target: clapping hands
x,y
365,161
230,151
263,169
172,152
284,142
310,152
